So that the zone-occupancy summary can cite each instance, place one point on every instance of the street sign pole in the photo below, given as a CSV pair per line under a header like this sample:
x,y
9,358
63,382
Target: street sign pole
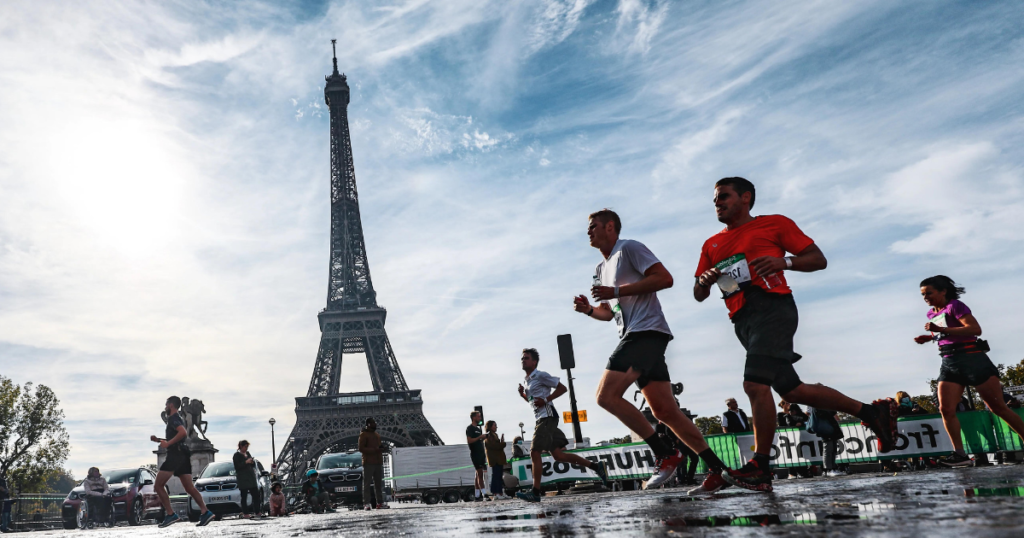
x,y
568,361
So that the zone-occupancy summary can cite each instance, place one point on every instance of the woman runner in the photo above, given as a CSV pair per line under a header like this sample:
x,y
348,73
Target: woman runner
x,y
964,361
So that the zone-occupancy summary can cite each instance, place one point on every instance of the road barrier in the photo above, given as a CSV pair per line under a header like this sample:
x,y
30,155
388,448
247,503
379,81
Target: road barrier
x,y
919,436
36,511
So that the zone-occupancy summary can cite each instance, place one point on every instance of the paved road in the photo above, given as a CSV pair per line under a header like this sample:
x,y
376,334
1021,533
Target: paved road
x,y
963,503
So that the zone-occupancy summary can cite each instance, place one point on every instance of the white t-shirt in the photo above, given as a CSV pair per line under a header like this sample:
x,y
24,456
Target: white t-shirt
x,y
625,265
539,385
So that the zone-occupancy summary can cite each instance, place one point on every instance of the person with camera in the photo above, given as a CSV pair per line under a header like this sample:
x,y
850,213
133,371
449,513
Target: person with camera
x,y
964,362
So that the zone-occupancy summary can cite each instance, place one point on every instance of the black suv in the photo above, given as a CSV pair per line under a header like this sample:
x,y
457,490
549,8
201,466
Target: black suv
x,y
342,476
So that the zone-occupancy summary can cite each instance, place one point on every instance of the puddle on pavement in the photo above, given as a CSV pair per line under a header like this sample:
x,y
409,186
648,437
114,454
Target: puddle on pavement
x,y
864,511
541,515
994,492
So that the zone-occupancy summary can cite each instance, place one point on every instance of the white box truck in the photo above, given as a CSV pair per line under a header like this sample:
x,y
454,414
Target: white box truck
x,y
437,473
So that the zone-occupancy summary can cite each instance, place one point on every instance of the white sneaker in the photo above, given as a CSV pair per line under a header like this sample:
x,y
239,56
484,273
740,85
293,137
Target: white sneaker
x,y
367,507
664,469
837,472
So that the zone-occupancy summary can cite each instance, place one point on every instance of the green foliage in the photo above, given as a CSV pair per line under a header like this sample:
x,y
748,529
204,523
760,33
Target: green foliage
x,y
709,425
1012,375
61,481
33,442
927,402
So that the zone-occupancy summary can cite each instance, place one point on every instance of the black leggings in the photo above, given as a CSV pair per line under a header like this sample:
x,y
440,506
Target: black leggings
x,y
257,502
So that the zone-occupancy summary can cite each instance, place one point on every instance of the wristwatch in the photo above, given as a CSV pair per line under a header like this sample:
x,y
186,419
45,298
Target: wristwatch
x,y
789,262
616,292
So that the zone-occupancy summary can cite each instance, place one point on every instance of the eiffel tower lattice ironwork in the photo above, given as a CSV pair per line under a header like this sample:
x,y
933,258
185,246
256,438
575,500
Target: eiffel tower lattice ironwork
x,y
326,420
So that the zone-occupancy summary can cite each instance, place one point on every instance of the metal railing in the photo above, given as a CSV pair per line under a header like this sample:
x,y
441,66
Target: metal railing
x,y
36,511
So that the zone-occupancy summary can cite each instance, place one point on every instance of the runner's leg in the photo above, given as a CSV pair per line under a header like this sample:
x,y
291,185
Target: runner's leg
x,y
822,397
609,396
538,468
991,391
663,405
762,409
190,488
161,480
949,396
559,454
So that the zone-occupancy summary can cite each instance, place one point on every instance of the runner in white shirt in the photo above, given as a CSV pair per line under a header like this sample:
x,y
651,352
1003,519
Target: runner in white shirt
x,y
625,286
547,436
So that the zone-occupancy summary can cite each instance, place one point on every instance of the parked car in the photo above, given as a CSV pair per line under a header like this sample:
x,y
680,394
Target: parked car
x,y
132,494
219,488
342,476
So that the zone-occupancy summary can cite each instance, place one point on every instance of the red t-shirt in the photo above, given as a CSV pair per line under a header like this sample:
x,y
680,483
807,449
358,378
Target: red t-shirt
x,y
767,235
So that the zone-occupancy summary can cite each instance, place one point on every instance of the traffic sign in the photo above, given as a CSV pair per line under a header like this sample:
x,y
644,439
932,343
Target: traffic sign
x,y
567,416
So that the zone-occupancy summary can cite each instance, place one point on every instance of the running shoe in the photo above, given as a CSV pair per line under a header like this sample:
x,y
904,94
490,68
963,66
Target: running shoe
x,y
884,425
712,482
382,506
750,476
664,468
205,519
955,460
528,496
367,507
169,520
836,473
601,470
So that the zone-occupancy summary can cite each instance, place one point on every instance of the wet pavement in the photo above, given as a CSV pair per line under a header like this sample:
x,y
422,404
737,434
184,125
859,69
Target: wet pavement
x,y
975,502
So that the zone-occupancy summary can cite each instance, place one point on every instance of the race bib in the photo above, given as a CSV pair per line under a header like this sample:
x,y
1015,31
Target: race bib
x,y
939,320
735,275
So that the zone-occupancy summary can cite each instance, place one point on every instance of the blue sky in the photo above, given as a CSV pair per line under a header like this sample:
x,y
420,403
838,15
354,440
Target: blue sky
x,y
164,192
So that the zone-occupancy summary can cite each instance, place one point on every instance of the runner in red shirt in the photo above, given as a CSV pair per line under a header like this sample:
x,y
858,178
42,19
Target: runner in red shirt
x,y
747,261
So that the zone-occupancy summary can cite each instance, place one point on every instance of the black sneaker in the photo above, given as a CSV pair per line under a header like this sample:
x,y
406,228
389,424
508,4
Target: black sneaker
x,y
884,424
955,460
750,476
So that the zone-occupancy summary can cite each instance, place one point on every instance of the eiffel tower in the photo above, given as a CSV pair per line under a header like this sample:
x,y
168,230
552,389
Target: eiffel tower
x,y
325,420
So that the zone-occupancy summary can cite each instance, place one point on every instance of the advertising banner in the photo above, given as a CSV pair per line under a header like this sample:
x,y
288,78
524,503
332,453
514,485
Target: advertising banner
x,y
918,436
625,462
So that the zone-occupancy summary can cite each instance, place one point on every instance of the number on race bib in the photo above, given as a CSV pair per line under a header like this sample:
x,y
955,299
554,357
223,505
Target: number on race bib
x,y
735,275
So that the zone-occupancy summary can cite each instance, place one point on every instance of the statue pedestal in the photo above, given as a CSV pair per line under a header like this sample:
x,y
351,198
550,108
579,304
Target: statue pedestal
x,y
202,455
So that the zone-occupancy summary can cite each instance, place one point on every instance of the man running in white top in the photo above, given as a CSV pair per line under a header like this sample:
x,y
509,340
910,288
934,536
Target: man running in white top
x,y
541,388
625,286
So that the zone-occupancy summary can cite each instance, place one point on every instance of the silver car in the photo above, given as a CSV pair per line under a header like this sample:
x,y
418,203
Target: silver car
x,y
219,488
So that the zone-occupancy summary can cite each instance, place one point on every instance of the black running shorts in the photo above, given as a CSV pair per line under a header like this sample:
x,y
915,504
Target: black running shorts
x,y
547,436
644,352
177,462
765,326
967,369
479,460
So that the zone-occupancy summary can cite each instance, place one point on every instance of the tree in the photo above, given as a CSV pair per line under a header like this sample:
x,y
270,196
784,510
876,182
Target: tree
x,y
1012,376
709,425
33,442
61,481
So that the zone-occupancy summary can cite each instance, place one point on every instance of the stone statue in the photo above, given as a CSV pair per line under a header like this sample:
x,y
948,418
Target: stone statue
x,y
192,414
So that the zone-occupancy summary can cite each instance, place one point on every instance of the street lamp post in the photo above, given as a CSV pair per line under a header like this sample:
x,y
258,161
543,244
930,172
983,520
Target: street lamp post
x,y
522,432
273,449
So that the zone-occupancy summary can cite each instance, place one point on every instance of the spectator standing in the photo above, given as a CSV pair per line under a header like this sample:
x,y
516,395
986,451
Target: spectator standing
x,y
248,481
823,423
791,416
373,464
315,493
477,453
734,420
97,491
517,447
496,459
277,500
179,464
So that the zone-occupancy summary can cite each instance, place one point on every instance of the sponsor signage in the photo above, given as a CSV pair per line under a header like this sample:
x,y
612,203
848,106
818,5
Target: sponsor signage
x,y
625,462
792,447
567,416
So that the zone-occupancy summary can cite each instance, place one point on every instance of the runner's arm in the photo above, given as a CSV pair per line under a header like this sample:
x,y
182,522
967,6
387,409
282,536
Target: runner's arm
x,y
177,437
971,327
807,260
601,312
559,390
656,278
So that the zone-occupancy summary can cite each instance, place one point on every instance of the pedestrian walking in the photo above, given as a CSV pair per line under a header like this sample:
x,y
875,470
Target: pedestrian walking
x,y
823,423
734,420
277,500
626,282
373,465
747,260
247,477
477,454
541,388
964,362
496,459
179,464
